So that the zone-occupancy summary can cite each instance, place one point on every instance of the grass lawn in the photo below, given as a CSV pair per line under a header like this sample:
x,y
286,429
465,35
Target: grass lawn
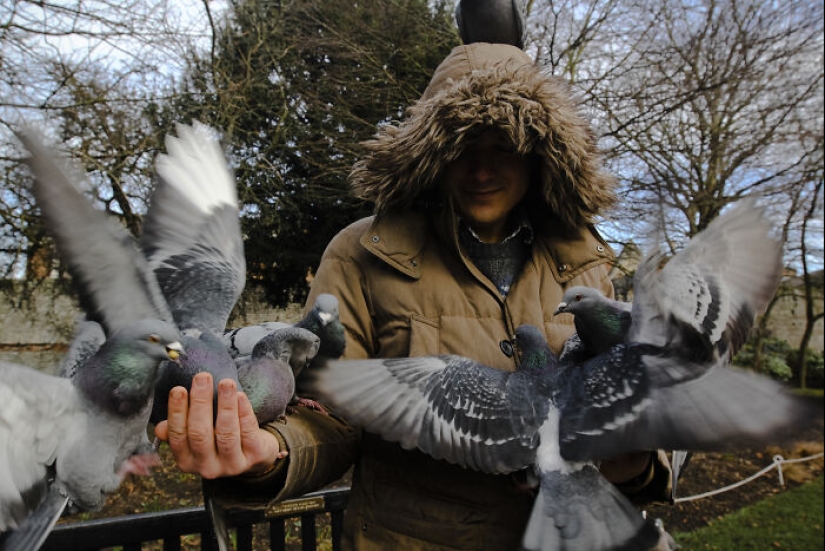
x,y
791,520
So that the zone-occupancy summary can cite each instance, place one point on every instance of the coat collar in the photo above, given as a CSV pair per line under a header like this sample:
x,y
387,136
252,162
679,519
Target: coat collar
x,y
399,240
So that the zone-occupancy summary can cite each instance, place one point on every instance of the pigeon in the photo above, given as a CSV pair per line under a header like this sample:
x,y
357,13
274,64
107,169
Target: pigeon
x,y
188,267
72,441
456,409
192,242
494,21
322,320
266,375
711,292
667,385
110,371
600,322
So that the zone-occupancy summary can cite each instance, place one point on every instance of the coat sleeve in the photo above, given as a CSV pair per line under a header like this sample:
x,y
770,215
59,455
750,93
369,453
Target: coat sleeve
x,y
321,448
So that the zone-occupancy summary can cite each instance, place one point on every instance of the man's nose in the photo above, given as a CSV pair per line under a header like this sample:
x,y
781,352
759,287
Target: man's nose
x,y
484,169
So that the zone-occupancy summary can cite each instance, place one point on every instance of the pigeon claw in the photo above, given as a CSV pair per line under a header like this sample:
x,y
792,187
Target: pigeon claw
x,y
312,404
138,464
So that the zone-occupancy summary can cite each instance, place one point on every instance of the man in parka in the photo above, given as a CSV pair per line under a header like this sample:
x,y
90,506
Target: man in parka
x,y
484,196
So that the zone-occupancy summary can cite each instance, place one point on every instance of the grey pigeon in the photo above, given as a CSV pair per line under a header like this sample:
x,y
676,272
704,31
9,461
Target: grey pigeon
x,y
115,294
322,319
600,322
188,267
266,375
494,421
709,293
71,441
668,385
192,243
494,21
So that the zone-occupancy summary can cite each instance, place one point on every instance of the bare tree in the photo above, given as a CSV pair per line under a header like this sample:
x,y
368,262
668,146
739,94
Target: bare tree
x,y
79,69
714,106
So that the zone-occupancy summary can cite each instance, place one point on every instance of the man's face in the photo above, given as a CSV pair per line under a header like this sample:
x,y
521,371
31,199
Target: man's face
x,y
486,182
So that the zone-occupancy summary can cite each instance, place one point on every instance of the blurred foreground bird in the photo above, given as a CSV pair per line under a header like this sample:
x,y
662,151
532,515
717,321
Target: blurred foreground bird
x,y
667,385
495,21
192,243
71,442
89,430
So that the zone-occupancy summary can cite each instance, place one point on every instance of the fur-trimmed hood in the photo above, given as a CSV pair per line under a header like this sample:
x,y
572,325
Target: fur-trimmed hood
x,y
477,87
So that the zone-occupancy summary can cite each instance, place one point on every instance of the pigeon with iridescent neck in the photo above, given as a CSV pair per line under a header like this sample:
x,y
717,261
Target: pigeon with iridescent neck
x,y
72,441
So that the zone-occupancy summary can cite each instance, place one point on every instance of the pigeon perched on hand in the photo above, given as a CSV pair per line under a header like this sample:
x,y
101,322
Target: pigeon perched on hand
x,y
652,390
72,441
494,21
266,375
192,243
322,319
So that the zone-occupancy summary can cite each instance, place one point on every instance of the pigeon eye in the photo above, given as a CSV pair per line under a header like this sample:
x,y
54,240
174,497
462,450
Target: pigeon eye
x,y
577,298
153,338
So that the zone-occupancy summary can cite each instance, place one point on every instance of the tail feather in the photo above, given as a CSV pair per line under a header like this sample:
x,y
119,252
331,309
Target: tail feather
x,y
582,511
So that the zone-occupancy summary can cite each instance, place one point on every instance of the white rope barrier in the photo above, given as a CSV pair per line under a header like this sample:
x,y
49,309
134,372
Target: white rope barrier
x,y
778,461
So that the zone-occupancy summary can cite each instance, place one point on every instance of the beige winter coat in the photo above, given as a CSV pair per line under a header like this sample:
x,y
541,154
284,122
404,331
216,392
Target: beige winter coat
x,y
406,289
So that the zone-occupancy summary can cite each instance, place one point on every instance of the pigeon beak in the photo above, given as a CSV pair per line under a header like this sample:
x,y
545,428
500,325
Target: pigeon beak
x,y
174,350
325,317
562,308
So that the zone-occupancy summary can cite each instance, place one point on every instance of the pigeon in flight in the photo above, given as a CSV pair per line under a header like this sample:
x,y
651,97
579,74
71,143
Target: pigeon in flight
x,y
494,21
668,385
72,441
456,409
107,394
188,267
192,242
710,293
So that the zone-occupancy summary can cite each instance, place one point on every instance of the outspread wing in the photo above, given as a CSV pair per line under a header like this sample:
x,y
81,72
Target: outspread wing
x,y
113,281
724,408
192,235
704,300
450,407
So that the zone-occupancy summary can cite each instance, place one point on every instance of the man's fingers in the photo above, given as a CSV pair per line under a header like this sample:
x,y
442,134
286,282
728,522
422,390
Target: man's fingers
x,y
176,426
227,425
199,421
246,417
